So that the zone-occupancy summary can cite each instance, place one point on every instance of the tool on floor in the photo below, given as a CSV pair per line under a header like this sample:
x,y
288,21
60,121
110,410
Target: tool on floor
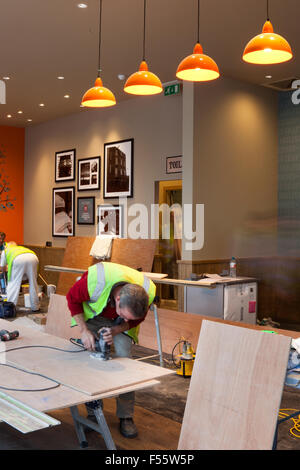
x,y
185,360
6,335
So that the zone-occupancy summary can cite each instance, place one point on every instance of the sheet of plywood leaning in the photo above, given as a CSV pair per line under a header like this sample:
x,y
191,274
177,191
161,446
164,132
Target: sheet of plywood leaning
x,y
235,390
77,370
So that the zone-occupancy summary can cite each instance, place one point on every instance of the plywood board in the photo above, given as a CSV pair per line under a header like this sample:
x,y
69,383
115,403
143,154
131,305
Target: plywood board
x,y
59,318
56,398
235,389
174,325
134,253
77,255
76,370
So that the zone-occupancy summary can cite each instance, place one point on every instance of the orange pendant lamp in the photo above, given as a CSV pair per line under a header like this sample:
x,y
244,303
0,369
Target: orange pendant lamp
x,y
98,96
143,82
267,47
198,67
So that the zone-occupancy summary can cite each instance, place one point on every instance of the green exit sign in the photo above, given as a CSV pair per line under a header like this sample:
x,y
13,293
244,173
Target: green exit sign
x,y
173,89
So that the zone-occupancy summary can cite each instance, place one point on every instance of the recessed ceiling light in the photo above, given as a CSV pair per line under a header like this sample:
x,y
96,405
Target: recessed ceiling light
x,y
121,76
6,78
20,112
82,5
268,76
67,96
9,116
41,105
29,120
60,77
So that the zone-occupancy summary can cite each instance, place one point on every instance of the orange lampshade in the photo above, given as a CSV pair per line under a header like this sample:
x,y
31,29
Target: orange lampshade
x,y
197,67
267,48
98,96
143,82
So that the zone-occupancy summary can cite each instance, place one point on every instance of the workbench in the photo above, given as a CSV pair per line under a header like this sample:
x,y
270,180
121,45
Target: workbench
x,y
70,378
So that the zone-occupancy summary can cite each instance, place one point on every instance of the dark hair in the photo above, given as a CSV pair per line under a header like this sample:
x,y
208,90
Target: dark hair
x,y
2,234
135,298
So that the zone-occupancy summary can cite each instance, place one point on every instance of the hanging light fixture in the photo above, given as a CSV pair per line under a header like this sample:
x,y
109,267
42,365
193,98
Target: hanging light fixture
x,y
198,67
143,82
267,47
98,96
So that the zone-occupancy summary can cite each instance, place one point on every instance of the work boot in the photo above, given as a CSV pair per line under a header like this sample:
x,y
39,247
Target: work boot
x,y
128,428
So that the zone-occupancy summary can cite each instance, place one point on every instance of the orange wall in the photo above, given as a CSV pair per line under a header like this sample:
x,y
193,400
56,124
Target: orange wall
x,y
12,141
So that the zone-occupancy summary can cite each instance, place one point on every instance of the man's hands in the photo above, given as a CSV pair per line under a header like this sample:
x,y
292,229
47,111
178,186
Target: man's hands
x,y
88,338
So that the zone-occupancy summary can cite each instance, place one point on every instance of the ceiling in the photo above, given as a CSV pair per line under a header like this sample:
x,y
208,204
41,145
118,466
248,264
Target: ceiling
x,y
44,39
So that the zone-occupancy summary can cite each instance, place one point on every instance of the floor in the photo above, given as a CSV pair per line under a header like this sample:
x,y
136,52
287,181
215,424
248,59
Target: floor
x,y
158,416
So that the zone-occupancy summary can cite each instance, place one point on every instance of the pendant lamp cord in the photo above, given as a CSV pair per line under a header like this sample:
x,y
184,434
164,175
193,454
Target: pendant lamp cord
x,y
144,40
100,14
199,21
268,18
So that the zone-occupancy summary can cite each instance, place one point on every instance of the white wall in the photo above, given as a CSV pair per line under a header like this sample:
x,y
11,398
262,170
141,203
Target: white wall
x,y
155,123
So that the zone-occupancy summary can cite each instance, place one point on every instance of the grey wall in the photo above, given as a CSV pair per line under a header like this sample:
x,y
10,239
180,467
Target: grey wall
x,y
156,126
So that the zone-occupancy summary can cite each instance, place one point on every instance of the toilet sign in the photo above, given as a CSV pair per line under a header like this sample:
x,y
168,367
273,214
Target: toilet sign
x,y
174,164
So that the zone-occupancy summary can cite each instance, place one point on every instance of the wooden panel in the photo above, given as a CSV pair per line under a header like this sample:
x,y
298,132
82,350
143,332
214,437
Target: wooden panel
x,y
61,397
134,253
76,370
235,389
174,325
48,255
59,318
77,255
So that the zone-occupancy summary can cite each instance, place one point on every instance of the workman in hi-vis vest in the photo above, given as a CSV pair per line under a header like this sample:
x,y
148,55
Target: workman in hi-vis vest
x,y
20,262
118,297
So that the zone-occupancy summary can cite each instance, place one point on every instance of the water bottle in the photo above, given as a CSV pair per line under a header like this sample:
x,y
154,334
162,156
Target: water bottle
x,y
232,267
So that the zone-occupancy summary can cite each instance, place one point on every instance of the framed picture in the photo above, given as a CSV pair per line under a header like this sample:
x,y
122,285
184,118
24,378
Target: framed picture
x,y
63,212
110,221
118,169
89,171
86,210
65,165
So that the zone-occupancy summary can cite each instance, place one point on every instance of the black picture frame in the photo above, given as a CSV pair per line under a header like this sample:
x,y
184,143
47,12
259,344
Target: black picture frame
x,y
112,226
88,174
118,158
63,212
86,210
65,164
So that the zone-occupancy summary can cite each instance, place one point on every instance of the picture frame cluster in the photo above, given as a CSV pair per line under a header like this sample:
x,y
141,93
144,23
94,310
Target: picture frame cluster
x,y
117,182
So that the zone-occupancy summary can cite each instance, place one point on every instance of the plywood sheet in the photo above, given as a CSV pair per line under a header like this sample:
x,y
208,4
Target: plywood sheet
x,y
59,318
174,325
56,398
235,389
76,370
77,255
134,253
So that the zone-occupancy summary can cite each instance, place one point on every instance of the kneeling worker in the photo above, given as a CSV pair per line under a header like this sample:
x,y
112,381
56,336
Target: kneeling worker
x,y
20,261
118,297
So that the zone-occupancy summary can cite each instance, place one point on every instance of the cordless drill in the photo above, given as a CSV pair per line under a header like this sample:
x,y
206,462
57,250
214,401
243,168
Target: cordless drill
x,y
6,335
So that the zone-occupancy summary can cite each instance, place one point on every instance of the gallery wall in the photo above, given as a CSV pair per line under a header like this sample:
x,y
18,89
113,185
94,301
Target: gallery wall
x,y
12,182
155,125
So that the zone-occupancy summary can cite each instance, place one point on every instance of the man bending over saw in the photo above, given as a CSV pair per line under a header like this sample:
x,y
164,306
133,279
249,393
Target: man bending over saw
x,y
118,297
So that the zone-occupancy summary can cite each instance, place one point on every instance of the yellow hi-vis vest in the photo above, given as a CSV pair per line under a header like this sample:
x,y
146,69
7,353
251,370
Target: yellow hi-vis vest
x,y
11,252
101,278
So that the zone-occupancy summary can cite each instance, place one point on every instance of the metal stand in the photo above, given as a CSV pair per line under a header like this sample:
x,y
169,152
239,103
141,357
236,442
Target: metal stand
x,y
101,426
161,362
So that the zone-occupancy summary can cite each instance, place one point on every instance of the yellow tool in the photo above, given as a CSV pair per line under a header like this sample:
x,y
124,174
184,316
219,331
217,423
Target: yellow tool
x,y
185,360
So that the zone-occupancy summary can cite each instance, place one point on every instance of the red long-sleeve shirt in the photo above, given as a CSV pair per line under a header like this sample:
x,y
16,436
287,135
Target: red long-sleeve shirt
x,y
79,293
